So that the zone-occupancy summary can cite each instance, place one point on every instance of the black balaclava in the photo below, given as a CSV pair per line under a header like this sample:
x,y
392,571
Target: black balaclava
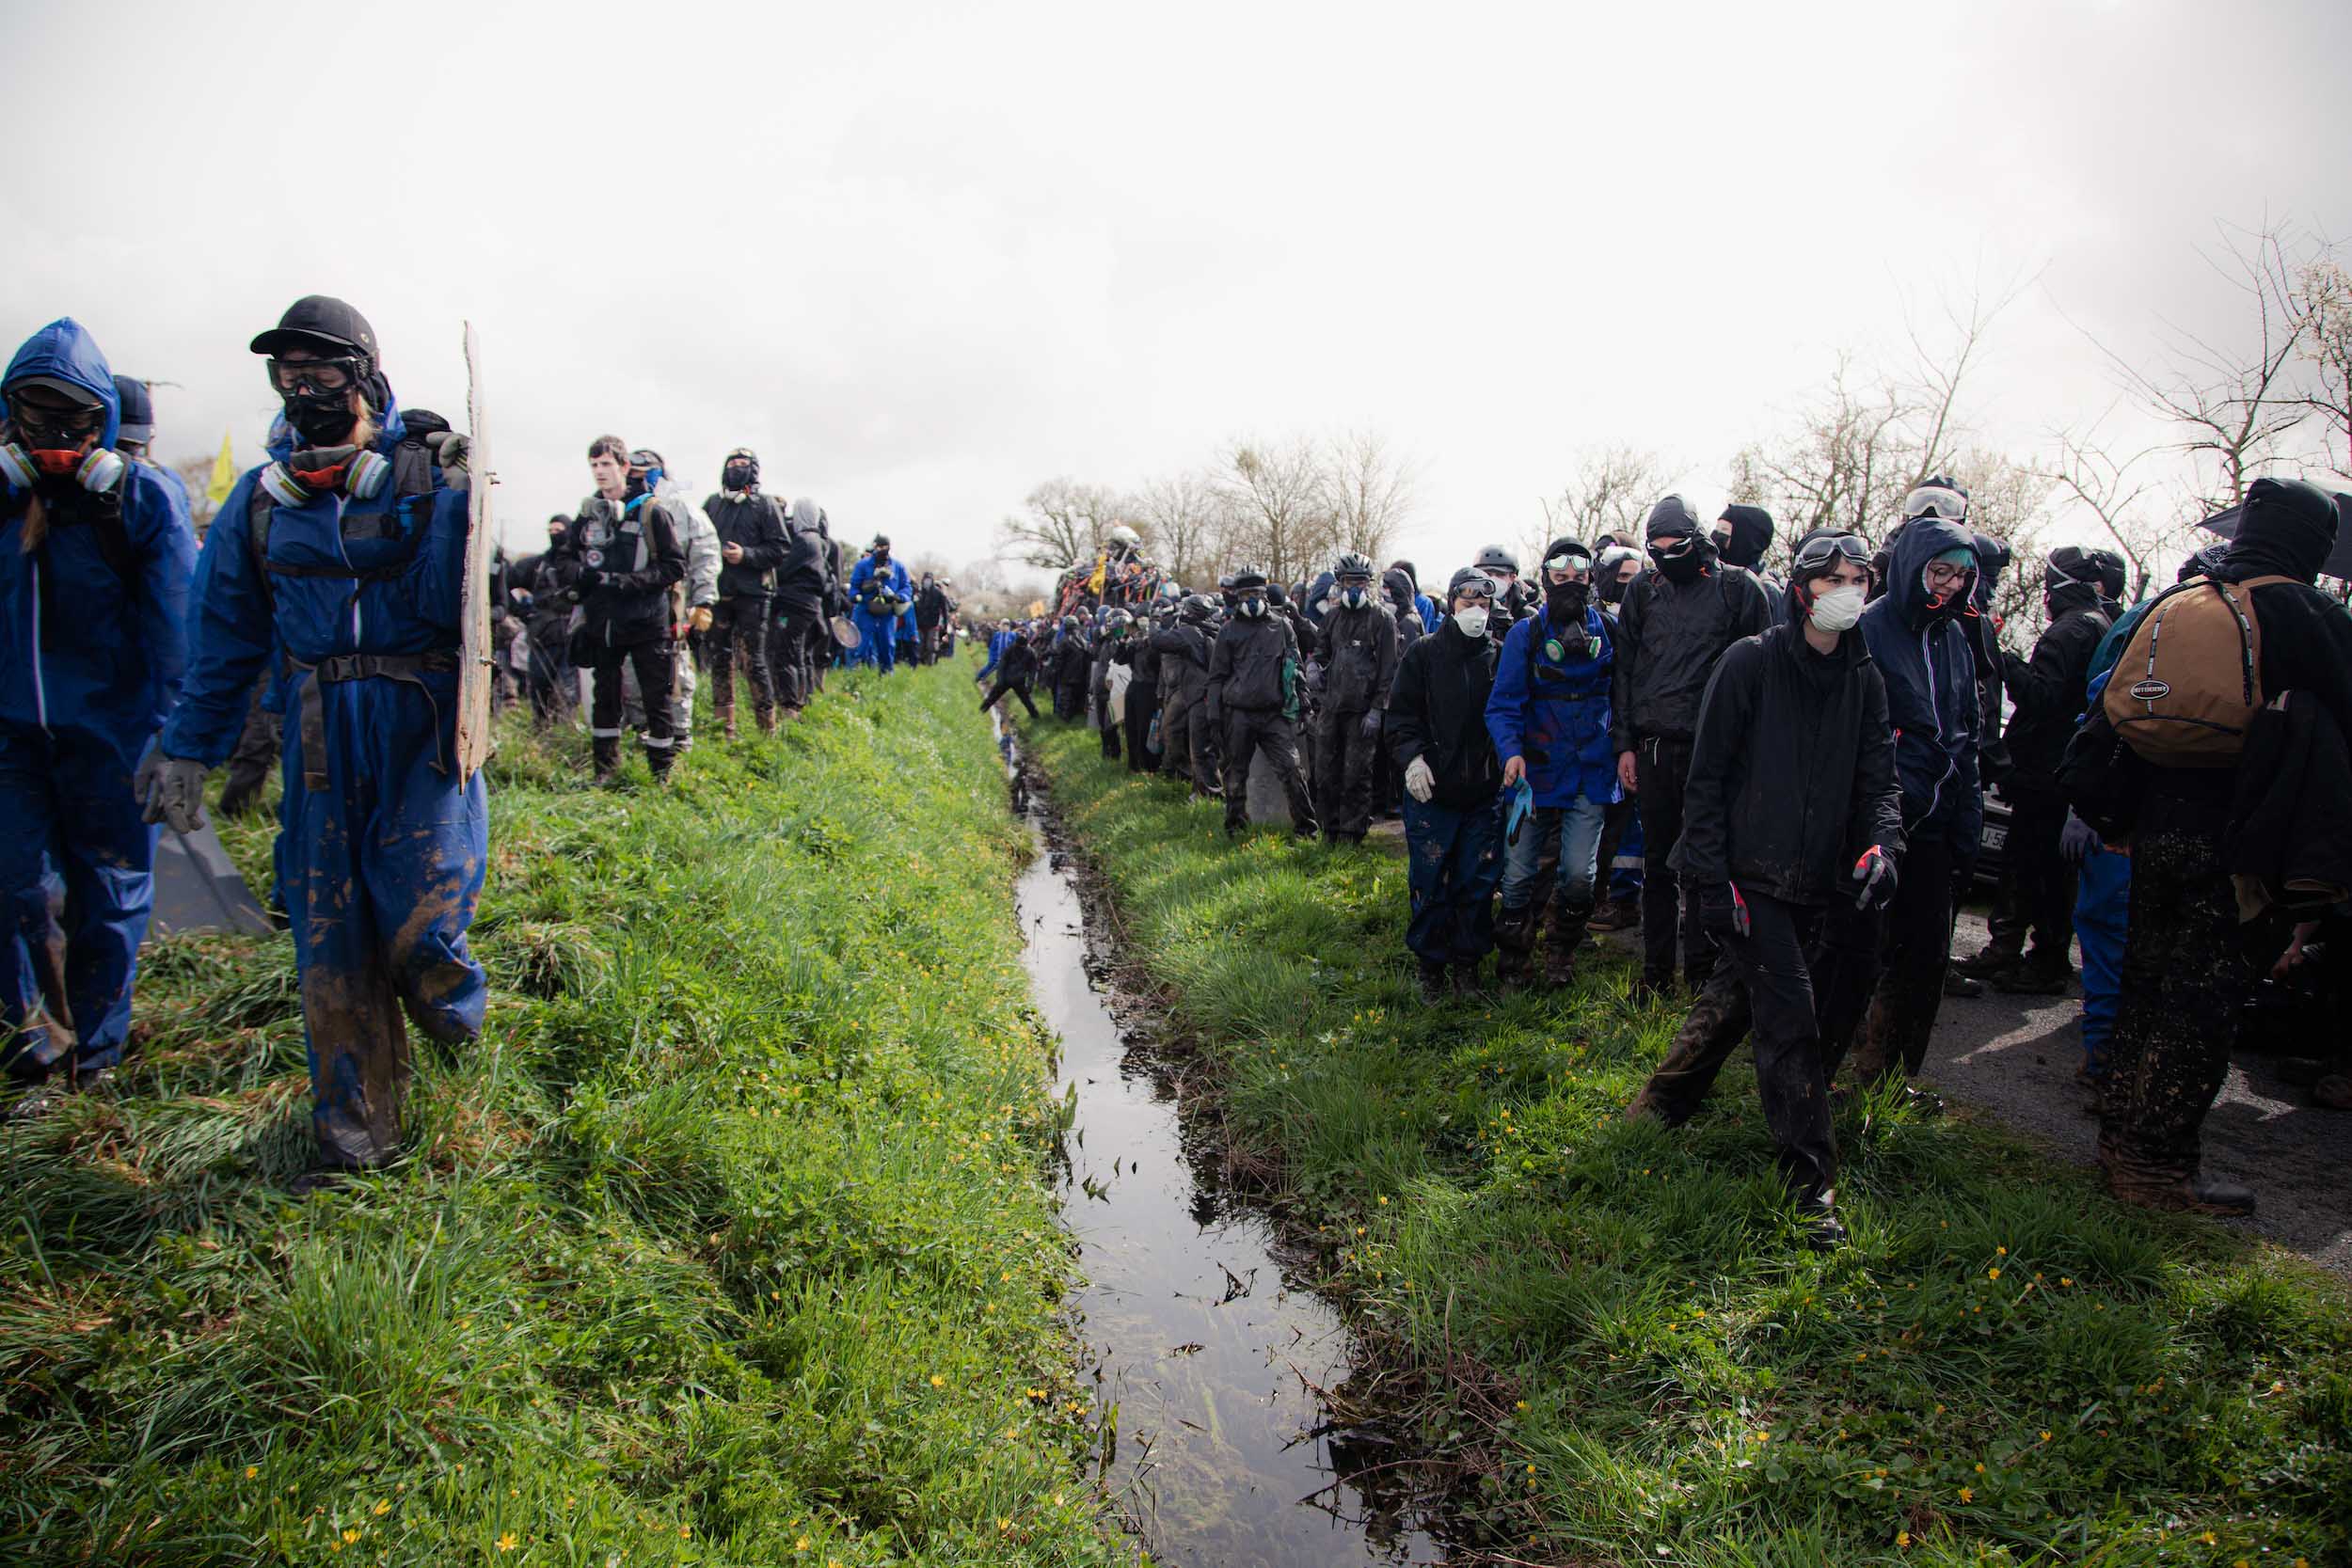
x,y
2211,561
740,474
1565,603
1675,544
2285,529
1749,535
2069,581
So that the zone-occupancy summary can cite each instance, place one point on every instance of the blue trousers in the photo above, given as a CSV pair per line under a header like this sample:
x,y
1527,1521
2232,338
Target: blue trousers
x,y
1451,859
876,642
379,870
1625,869
1575,827
2102,907
66,809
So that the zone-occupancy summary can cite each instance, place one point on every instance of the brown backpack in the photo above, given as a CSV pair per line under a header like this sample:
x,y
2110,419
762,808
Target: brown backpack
x,y
2189,682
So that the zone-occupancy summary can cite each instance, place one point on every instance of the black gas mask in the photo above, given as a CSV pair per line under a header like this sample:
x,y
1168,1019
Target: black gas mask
x,y
1679,557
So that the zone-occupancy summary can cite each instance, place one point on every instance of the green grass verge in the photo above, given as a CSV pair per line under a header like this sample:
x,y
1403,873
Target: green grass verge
x,y
732,1241
2006,1367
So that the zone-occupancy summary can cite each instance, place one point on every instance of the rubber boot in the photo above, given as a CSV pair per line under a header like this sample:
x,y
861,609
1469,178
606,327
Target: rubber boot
x,y
1515,943
2187,1192
659,758
1564,934
605,750
1432,982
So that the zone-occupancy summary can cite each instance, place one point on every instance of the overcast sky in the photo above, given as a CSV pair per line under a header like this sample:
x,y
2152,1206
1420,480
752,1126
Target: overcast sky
x,y
924,257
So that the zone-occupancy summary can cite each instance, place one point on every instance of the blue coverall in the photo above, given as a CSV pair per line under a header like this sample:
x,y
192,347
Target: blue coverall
x,y
381,850
91,663
877,638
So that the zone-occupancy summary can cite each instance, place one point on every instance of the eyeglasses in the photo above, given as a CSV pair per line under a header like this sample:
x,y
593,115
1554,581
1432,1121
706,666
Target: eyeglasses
x,y
314,376
1817,553
1940,575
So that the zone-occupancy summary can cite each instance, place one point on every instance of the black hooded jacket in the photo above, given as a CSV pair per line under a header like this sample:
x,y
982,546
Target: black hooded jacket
x,y
1359,650
1438,712
1183,648
1749,537
1792,769
1396,586
802,571
756,522
1246,668
2049,689
1672,634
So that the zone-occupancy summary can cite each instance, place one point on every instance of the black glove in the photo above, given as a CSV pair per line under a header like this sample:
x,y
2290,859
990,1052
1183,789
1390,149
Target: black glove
x,y
1721,911
590,578
1875,871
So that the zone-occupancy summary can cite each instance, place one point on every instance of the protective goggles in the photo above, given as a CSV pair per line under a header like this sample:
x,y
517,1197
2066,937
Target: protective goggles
x,y
1670,546
1569,563
1821,554
1477,588
316,378
1936,500
53,422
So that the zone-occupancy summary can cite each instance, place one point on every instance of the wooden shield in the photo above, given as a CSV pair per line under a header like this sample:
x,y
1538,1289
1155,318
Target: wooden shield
x,y
475,655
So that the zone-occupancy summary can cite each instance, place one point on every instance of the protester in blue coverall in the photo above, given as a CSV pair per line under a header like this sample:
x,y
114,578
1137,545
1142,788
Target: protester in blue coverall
x,y
880,592
95,552
1548,715
342,558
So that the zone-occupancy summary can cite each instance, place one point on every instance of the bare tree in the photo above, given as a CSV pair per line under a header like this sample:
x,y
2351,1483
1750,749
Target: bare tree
x,y
1282,513
1370,491
1064,524
2323,297
2117,492
1186,522
1610,491
2232,402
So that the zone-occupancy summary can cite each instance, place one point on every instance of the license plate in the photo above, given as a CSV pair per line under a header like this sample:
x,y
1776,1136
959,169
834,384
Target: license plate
x,y
1996,838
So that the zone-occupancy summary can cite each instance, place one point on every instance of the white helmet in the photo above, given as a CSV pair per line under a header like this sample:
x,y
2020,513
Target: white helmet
x,y
1122,535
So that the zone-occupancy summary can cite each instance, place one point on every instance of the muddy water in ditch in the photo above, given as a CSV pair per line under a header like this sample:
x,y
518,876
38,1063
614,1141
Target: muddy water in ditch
x,y
1204,1339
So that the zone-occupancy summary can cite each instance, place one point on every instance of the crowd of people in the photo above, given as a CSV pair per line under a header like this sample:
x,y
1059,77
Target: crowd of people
x,y
316,629
1792,764
1779,778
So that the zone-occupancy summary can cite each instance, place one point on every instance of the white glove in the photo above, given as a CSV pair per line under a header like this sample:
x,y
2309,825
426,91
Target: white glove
x,y
451,452
1420,783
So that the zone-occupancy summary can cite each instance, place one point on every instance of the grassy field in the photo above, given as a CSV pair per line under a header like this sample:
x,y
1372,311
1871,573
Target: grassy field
x,y
732,1241
1640,1361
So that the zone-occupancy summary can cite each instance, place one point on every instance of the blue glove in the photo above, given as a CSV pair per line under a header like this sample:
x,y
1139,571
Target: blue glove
x,y
1522,807
2077,840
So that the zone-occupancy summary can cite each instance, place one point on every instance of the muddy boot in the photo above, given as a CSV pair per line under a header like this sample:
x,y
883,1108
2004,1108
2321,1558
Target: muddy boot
x,y
659,759
605,750
1645,1106
2333,1092
1962,986
1464,978
1433,982
2034,977
2148,1187
1818,1223
726,722
1563,933
766,717
1986,961
1515,944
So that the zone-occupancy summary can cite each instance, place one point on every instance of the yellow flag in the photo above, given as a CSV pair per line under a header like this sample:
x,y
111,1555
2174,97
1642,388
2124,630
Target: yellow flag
x,y
224,473
1102,571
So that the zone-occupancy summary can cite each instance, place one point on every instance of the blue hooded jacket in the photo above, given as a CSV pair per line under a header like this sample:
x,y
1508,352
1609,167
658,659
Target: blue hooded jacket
x,y
1555,712
93,646
240,617
1931,689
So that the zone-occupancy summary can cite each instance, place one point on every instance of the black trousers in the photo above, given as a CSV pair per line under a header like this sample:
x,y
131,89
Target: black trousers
x,y
997,690
798,637
1774,982
1345,759
2037,884
656,670
739,630
1662,770
1915,948
2185,980
1248,733
1143,705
